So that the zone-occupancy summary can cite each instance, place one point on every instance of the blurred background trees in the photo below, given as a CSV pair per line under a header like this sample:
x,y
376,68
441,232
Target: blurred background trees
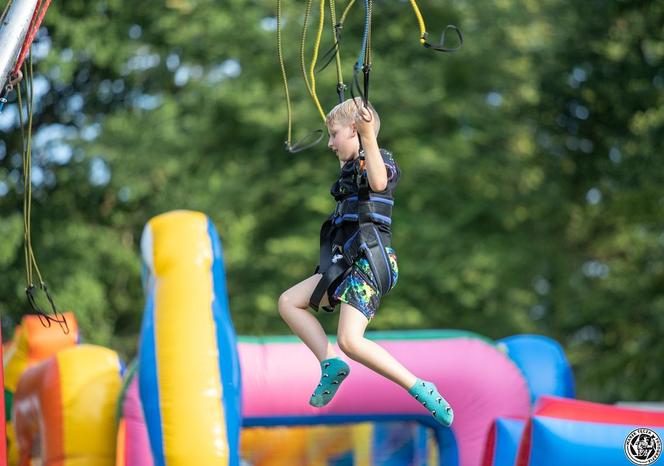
x,y
532,196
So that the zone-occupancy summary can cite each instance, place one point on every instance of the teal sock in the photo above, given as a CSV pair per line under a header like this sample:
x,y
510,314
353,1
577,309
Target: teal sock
x,y
427,394
334,371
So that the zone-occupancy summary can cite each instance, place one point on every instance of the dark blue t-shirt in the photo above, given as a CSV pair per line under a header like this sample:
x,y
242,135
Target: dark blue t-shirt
x,y
346,184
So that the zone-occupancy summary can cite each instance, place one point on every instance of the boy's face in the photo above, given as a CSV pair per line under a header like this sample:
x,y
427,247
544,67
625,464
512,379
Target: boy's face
x,y
343,141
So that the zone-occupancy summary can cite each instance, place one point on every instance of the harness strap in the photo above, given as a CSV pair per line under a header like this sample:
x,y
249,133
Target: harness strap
x,y
335,272
370,241
379,210
379,262
326,242
336,260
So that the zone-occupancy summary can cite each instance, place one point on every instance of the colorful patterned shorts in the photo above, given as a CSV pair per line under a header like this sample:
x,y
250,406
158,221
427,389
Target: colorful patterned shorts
x,y
359,288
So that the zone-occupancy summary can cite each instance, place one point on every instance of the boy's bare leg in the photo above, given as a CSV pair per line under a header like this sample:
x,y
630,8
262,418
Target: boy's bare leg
x,y
293,308
352,324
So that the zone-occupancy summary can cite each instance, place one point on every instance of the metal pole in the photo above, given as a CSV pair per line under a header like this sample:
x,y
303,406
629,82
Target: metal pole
x,y
12,34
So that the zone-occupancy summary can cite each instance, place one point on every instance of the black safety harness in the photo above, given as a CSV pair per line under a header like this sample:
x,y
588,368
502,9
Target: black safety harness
x,y
340,245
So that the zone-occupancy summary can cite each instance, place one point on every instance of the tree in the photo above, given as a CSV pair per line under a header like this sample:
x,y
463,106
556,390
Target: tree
x,y
530,199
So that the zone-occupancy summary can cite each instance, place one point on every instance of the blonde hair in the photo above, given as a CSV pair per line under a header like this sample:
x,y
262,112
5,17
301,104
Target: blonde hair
x,y
348,112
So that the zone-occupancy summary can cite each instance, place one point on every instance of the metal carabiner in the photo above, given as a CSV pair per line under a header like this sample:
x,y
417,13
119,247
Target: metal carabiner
x,y
45,318
315,137
13,81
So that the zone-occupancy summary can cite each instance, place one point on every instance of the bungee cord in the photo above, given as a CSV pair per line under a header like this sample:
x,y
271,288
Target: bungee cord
x,y
334,52
314,137
51,314
359,85
440,47
21,32
310,80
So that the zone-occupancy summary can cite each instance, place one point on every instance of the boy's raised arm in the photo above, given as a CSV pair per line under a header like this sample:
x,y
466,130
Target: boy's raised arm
x,y
376,171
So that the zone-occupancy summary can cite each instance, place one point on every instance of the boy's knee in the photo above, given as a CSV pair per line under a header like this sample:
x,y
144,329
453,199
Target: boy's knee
x,y
349,345
284,302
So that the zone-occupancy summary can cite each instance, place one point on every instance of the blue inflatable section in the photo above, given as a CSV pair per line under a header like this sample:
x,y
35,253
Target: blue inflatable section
x,y
557,442
229,360
393,443
508,436
543,363
148,386
399,443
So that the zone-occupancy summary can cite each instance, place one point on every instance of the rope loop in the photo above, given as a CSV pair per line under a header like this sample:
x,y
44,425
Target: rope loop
x,y
46,317
441,47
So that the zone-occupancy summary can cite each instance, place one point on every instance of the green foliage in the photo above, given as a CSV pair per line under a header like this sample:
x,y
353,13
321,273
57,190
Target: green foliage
x,y
531,197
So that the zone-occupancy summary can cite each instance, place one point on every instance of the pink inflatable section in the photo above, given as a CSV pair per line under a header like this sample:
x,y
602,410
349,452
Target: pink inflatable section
x,y
479,381
136,445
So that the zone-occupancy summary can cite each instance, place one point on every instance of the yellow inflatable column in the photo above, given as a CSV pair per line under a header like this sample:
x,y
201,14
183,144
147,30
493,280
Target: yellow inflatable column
x,y
32,343
188,371
65,407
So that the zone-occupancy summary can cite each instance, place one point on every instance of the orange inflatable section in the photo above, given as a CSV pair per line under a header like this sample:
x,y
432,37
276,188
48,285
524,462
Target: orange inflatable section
x,y
306,445
64,408
32,343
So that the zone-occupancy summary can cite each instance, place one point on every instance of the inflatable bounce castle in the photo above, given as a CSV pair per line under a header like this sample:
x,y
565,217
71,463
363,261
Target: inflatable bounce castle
x,y
198,395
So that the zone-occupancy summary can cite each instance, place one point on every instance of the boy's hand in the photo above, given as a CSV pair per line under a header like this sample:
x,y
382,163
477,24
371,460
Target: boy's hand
x,y
365,122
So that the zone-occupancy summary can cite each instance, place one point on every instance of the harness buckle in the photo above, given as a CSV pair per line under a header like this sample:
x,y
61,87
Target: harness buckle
x,y
337,209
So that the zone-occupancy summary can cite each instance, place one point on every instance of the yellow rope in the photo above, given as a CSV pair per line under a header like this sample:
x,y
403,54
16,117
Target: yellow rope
x,y
4,13
303,39
311,85
420,21
345,13
283,74
45,317
26,175
30,260
314,59
335,37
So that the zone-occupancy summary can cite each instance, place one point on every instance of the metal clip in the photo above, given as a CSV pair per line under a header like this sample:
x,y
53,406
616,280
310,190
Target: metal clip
x,y
45,318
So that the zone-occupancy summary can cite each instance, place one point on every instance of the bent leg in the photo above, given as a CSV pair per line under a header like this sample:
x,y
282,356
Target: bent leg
x,y
352,324
293,308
